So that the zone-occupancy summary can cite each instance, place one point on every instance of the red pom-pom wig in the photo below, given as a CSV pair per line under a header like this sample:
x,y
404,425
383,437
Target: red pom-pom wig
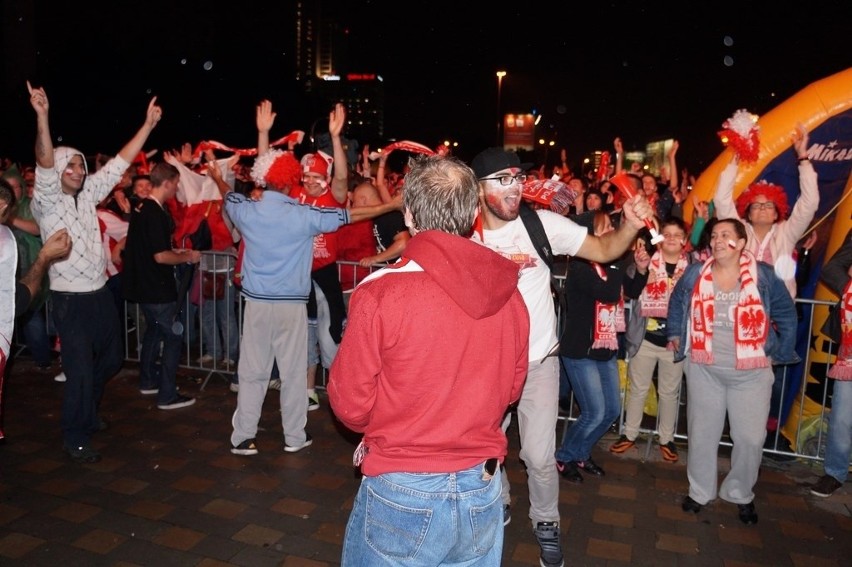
x,y
284,173
774,193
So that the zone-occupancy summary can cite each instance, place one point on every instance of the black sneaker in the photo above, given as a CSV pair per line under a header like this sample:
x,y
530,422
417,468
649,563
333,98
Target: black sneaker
x,y
178,402
247,447
826,486
568,471
507,515
547,535
747,514
295,448
690,505
590,467
84,454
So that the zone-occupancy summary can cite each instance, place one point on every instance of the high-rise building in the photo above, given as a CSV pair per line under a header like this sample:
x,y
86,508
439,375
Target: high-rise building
x,y
327,76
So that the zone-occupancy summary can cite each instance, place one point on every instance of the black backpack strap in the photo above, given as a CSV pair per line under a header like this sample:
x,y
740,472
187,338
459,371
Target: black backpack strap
x,y
536,231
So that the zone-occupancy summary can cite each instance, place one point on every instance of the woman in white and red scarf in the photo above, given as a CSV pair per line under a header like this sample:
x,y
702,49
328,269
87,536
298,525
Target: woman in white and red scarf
x,y
732,318
837,276
647,339
592,318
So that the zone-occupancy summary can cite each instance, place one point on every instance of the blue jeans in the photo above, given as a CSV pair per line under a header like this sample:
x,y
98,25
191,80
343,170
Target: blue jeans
x,y
839,446
219,325
595,385
91,354
426,519
158,329
33,324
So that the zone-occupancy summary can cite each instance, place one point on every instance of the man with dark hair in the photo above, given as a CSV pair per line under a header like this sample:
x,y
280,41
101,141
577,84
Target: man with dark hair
x,y
66,196
149,280
501,175
432,441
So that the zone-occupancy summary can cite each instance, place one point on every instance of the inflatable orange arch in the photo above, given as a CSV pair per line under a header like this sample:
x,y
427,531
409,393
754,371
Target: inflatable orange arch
x,y
825,109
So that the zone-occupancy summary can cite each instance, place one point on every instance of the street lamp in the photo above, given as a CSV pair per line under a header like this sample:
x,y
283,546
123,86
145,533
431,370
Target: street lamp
x,y
500,75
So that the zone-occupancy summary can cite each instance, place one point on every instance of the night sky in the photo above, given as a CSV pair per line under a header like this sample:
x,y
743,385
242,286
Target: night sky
x,y
596,72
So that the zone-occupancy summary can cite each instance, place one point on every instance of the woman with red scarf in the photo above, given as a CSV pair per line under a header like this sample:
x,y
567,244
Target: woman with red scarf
x,y
732,318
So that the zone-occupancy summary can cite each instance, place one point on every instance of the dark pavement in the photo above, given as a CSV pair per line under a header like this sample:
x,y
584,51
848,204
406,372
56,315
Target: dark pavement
x,y
169,492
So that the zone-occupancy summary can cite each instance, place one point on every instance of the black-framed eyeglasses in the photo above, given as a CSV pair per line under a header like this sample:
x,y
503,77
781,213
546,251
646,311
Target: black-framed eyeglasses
x,y
759,206
506,180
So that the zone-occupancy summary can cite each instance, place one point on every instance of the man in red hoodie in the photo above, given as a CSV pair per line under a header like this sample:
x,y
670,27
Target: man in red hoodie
x,y
435,350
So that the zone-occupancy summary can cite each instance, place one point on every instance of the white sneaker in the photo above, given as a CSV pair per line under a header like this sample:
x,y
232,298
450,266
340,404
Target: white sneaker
x,y
275,384
59,377
313,402
234,387
296,448
205,359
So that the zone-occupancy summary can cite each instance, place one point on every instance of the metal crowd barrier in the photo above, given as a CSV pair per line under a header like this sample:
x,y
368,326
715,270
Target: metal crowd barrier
x,y
811,428
810,431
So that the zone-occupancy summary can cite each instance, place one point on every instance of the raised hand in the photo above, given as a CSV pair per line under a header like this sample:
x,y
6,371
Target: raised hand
x,y
642,259
265,118
38,99
185,154
154,114
800,141
673,149
336,119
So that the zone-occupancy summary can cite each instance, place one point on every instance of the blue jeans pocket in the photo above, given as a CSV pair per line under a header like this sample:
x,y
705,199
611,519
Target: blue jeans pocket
x,y
485,522
395,530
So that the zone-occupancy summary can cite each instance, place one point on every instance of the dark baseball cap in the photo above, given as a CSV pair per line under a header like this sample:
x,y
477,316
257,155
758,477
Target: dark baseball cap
x,y
494,159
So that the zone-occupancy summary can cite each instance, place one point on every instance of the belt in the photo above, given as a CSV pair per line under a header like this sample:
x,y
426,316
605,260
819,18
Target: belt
x,y
99,290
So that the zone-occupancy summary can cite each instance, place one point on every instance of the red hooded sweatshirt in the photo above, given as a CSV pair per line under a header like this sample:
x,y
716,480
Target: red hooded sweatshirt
x,y
434,352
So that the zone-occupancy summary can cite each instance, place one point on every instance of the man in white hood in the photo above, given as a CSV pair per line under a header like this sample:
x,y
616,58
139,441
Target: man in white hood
x,y
65,197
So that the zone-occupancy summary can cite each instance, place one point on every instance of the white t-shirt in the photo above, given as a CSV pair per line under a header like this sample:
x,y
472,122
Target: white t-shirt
x,y
513,242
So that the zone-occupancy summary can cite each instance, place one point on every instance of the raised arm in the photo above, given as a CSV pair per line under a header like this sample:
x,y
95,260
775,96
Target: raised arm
x,y
619,155
265,118
723,197
214,173
43,143
803,211
612,245
340,181
134,146
673,184
382,180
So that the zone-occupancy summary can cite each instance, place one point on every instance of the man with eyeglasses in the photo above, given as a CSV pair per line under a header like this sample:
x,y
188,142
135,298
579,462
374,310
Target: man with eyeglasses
x,y
501,176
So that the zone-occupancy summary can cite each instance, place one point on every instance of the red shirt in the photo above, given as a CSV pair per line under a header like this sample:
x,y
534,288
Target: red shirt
x,y
326,244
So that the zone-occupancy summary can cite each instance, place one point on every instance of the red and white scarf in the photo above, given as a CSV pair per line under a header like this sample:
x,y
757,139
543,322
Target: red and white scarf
x,y
609,318
842,368
654,300
750,326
